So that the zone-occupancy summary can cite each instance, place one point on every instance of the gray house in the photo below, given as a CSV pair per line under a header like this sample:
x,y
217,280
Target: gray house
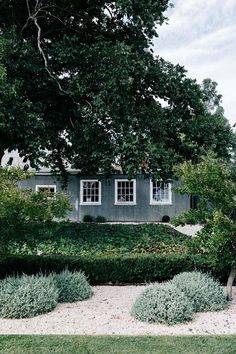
x,y
116,199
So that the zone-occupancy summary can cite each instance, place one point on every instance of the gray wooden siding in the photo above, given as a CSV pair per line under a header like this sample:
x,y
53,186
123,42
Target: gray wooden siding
x,y
142,211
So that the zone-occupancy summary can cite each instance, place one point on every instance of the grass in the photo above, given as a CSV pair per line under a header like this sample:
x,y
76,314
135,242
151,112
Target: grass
x,y
69,238
117,345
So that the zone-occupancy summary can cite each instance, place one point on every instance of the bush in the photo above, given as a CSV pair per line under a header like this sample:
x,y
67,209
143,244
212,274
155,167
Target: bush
x,y
27,296
202,290
162,303
134,268
100,219
88,218
166,218
72,286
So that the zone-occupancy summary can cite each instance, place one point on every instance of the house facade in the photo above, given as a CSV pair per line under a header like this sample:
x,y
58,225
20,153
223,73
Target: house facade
x,y
117,199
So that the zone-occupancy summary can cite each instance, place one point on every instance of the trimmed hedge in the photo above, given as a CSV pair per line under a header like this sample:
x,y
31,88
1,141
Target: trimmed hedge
x,y
110,269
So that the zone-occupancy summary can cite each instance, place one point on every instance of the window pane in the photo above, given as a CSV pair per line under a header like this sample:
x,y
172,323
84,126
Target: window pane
x,y
160,192
90,191
125,191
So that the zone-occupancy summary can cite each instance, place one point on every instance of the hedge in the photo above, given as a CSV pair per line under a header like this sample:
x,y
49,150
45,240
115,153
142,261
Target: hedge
x,y
110,269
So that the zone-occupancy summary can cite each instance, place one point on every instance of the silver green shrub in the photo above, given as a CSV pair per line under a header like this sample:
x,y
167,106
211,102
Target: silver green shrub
x,y
27,296
202,290
72,286
162,303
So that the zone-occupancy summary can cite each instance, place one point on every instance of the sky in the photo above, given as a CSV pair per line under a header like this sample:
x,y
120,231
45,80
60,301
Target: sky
x,y
201,36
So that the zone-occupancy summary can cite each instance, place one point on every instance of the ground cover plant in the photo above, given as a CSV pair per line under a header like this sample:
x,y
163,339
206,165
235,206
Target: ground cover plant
x,y
72,286
68,238
162,303
117,344
27,296
202,290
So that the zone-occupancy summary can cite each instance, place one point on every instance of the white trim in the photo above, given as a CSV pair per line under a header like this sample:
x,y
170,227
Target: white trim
x,y
153,202
116,190
99,192
46,186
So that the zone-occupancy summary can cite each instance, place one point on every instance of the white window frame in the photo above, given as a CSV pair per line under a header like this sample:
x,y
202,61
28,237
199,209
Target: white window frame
x,y
82,181
165,202
117,202
38,186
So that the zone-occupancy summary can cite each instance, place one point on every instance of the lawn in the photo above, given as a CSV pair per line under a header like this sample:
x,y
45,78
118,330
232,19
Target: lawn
x,y
117,345
68,238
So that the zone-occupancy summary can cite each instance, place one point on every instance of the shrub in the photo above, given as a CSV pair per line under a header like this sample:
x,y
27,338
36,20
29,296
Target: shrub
x,y
27,296
100,219
162,303
134,268
166,218
202,290
72,286
88,218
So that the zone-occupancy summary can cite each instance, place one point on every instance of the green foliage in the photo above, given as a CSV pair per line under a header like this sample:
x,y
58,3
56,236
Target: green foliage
x,y
100,219
204,292
88,218
68,238
23,210
72,286
27,296
162,303
113,103
211,180
134,268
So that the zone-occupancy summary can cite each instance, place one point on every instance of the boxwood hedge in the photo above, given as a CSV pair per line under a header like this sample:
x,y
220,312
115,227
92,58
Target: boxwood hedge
x,y
136,268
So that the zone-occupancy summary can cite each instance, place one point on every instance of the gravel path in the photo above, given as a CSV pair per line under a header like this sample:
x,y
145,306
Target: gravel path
x,y
107,312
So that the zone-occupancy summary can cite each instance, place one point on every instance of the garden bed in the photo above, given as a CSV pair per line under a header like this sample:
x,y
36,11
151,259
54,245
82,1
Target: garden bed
x,y
107,313
82,239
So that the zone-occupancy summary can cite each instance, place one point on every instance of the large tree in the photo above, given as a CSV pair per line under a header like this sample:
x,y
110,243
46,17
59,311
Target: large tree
x,y
79,84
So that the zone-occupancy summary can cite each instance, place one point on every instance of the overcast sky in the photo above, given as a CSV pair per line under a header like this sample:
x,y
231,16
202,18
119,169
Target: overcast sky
x,y
201,35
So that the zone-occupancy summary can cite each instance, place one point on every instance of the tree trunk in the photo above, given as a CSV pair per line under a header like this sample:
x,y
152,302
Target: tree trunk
x,y
1,155
230,281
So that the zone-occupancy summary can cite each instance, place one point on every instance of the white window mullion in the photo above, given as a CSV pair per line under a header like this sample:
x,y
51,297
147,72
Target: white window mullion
x,y
90,192
160,193
125,192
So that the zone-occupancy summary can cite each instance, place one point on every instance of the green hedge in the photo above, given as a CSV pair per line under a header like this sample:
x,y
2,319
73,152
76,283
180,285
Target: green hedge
x,y
110,269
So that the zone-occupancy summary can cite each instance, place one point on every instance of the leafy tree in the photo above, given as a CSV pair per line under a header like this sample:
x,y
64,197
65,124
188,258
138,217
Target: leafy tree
x,y
211,180
81,86
23,210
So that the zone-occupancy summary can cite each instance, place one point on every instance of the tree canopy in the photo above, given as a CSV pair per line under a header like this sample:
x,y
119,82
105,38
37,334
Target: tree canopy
x,y
79,85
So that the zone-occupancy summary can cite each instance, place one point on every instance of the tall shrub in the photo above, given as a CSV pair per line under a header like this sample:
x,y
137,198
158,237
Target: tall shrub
x,y
24,209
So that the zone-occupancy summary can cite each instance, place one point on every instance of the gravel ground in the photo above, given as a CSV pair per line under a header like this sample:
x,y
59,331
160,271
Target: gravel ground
x,y
107,312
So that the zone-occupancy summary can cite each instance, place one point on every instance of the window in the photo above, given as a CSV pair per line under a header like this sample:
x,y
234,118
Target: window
x,y
90,192
125,191
50,190
160,192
